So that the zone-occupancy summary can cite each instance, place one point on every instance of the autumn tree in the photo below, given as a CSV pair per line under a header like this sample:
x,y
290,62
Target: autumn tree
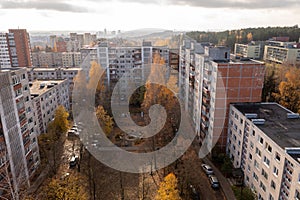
x,y
289,90
168,189
105,120
60,124
70,187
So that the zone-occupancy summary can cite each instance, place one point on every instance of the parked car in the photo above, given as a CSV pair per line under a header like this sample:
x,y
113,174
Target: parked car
x,y
214,181
194,193
73,161
207,169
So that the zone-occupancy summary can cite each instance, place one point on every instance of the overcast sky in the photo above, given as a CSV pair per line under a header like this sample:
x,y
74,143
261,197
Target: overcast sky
x,y
134,14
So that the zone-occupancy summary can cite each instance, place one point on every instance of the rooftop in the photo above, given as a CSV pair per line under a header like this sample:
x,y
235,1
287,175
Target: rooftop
x,y
54,69
282,130
40,87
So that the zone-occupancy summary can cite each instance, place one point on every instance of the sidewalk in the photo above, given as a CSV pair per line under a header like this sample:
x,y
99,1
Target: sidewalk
x,y
225,185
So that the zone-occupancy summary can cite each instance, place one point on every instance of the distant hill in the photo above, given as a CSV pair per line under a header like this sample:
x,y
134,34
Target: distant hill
x,y
246,35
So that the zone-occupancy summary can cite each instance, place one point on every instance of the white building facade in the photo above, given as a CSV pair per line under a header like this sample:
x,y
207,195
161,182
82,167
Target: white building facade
x,y
263,140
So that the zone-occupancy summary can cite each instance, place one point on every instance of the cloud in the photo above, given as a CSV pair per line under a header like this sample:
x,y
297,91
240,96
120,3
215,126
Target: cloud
x,y
244,4
42,5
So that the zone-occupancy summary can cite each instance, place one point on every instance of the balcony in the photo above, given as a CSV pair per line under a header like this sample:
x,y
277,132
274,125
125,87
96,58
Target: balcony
x,y
205,100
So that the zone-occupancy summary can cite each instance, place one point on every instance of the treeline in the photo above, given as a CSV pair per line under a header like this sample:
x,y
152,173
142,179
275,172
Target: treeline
x,y
228,38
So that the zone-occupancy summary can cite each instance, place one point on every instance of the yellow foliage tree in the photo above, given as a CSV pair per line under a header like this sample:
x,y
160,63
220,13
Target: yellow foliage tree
x,y
105,120
60,124
249,37
68,188
289,90
168,189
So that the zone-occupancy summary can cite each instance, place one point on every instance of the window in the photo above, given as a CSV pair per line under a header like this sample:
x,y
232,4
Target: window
x,y
262,186
258,152
250,156
266,161
256,164
253,133
275,171
277,156
273,185
264,174
241,121
255,176
297,195
271,197
251,145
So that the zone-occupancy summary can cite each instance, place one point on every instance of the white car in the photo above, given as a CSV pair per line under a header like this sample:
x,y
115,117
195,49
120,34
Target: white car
x,y
214,181
207,169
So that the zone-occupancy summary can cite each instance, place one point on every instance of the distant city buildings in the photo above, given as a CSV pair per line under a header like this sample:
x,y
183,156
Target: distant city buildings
x,y
253,50
282,52
71,59
263,140
47,59
209,80
18,140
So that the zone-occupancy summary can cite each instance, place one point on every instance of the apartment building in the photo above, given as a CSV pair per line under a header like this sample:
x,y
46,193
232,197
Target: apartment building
x,y
282,52
47,59
253,50
263,140
209,80
22,47
4,51
46,96
71,59
19,149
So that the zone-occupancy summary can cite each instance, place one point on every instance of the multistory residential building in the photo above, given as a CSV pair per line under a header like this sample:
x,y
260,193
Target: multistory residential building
x,y
61,45
253,50
47,59
54,74
46,96
282,52
22,48
71,59
209,81
19,149
263,140
4,51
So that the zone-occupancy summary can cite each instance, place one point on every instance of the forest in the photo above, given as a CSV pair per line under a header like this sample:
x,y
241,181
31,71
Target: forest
x,y
229,37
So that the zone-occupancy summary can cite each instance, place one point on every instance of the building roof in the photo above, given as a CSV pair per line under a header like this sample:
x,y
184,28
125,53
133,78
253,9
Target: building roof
x,y
283,131
42,69
39,87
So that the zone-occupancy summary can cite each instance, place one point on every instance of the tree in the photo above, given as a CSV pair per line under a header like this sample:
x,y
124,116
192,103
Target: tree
x,y
60,124
105,120
289,90
168,189
69,188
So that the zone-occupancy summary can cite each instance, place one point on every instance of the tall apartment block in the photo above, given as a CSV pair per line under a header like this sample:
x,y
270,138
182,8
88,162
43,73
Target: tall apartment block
x,y
4,51
210,79
19,149
46,96
22,46
253,50
264,141
47,59
54,74
71,59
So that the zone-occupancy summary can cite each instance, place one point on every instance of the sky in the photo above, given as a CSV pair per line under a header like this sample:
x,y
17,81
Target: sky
x,y
179,15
